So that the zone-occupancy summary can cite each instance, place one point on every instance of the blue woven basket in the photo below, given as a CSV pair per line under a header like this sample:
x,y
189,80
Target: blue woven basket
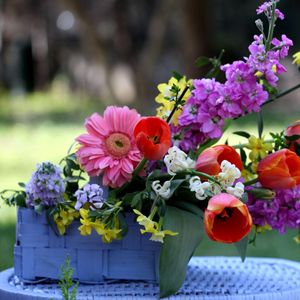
x,y
40,253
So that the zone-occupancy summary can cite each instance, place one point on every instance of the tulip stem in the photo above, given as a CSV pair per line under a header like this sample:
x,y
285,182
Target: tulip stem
x,y
250,182
177,102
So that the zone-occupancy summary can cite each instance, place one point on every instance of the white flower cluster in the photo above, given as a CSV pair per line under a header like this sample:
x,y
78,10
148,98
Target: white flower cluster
x,y
177,160
199,187
162,190
229,174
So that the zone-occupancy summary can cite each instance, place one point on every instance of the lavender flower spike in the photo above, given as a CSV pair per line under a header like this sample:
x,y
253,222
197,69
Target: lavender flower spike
x,y
45,186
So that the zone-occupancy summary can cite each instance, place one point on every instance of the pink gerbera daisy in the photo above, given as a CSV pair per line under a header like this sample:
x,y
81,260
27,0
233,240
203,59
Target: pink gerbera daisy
x,y
108,147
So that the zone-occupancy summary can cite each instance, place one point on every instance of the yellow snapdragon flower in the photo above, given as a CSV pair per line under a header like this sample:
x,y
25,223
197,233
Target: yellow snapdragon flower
x,y
259,148
152,227
296,57
64,218
164,110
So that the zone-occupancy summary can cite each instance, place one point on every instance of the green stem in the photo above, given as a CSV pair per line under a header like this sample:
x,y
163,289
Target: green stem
x,y
177,104
139,168
153,210
200,174
282,94
250,182
271,27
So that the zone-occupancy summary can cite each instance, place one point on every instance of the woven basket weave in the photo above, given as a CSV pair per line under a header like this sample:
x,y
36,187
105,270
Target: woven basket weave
x,y
40,253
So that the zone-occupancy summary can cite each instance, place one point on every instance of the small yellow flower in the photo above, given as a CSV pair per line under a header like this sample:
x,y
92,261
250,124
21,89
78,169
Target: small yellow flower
x,y
262,229
145,221
59,224
296,57
258,147
110,234
158,236
165,92
64,218
87,225
247,175
152,227
297,239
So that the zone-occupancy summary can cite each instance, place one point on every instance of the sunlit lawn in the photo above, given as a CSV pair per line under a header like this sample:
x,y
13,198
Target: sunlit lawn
x,y
47,138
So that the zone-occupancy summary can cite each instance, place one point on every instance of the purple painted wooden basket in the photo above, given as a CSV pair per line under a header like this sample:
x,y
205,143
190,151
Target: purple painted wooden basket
x,y
40,253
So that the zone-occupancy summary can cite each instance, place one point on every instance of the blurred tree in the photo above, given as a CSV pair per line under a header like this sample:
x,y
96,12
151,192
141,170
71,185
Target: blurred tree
x,y
118,50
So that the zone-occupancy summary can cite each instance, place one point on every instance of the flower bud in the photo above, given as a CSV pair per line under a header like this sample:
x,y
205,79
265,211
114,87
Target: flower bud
x,y
262,193
260,25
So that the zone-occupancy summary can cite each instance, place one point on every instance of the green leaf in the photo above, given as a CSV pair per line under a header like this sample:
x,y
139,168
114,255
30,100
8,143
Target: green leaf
x,y
20,200
137,201
177,250
177,75
243,155
292,137
175,183
242,247
202,61
21,184
242,133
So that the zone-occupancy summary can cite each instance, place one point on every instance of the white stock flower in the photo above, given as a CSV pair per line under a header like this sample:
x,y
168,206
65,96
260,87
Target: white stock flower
x,y
177,160
229,174
162,190
199,187
236,191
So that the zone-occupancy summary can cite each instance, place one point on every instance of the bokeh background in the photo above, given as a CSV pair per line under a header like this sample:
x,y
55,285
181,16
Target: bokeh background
x,y
62,60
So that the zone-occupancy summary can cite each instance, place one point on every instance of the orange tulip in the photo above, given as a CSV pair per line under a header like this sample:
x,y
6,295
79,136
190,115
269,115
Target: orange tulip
x,y
153,137
293,130
227,219
279,170
209,161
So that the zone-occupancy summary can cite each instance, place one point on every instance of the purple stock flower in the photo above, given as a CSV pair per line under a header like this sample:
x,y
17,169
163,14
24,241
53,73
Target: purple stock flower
x,y
212,102
280,213
282,45
91,193
46,186
266,8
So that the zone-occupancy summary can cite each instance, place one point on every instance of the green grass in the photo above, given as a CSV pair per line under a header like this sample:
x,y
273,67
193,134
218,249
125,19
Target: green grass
x,y
41,127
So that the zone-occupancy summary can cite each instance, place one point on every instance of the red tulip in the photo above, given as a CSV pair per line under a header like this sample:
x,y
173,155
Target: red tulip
x,y
210,159
153,137
227,219
293,130
279,170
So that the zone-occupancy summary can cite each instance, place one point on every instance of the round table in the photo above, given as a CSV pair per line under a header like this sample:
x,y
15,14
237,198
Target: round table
x,y
208,278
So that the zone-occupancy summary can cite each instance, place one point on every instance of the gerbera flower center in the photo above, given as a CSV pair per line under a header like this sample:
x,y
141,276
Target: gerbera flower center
x,y
118,144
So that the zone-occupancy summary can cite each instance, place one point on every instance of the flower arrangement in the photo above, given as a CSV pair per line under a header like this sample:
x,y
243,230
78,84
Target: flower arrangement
x,y
169,171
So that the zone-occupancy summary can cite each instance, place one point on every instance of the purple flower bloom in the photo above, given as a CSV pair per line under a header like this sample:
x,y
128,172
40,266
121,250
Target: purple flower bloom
x,y
266,8
283,45
91,193
280,213
46,186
